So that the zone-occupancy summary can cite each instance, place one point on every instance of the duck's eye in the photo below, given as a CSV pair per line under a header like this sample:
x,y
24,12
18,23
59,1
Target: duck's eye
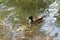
x,y
31,17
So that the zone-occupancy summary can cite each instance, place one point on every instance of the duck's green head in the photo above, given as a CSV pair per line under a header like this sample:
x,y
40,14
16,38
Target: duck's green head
x,y
31,18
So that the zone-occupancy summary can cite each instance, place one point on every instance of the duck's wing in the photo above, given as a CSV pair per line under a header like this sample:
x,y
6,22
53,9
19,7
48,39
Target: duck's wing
x,y
36,20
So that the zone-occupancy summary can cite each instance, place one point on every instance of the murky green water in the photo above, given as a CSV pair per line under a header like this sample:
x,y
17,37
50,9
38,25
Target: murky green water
x,y
14,15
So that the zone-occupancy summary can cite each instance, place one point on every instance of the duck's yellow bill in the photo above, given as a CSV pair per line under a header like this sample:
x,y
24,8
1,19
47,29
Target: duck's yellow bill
x,y
27,18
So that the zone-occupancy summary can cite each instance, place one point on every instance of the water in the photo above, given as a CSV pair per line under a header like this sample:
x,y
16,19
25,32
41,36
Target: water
x,y
49,25
13,27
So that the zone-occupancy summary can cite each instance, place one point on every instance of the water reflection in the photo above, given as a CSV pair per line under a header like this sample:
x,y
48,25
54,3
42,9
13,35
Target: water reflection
x,y
49,24
12,29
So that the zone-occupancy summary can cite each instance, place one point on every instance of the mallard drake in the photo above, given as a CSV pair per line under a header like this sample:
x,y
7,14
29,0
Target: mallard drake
x,y
35,19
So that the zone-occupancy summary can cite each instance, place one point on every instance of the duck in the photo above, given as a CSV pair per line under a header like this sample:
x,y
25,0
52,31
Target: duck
x,y
35,19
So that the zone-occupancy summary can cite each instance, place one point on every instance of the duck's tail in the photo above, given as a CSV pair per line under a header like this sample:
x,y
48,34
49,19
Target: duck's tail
x,y
42,18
